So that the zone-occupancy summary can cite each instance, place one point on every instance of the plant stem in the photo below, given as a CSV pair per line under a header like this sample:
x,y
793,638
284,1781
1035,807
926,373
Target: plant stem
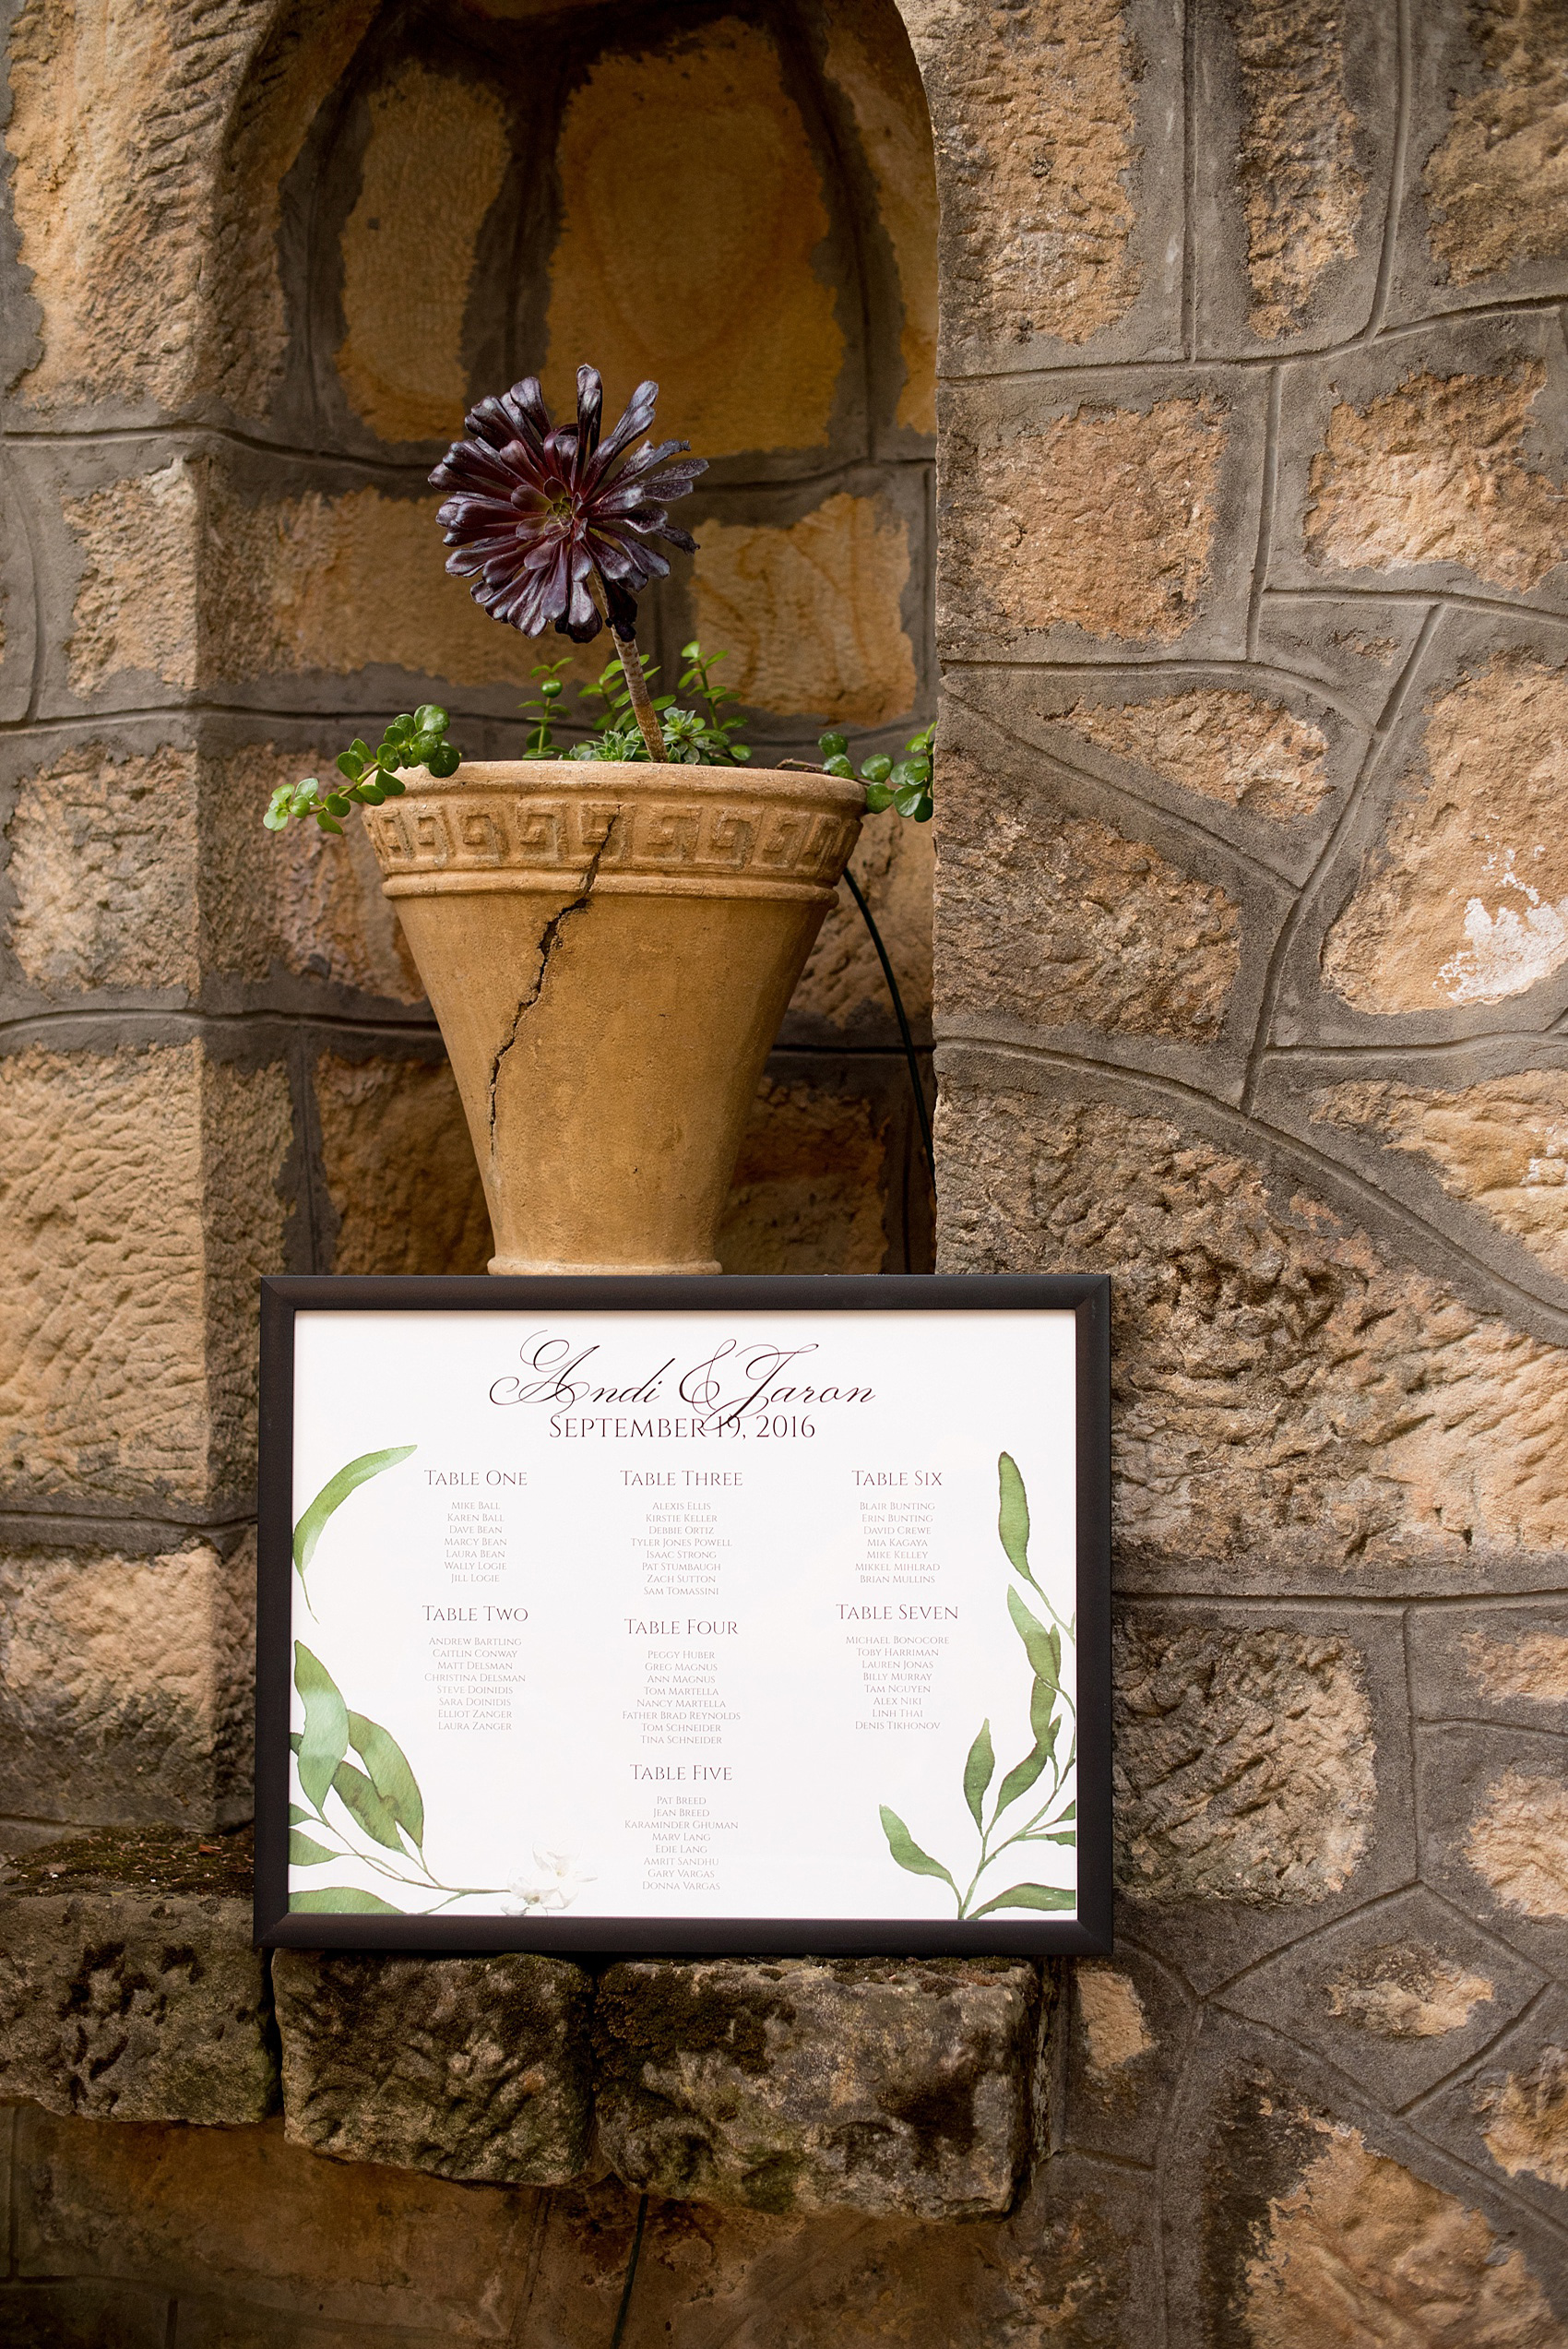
x,y
643,710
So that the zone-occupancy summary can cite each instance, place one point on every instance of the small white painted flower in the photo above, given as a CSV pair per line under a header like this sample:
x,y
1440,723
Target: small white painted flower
x,y
553,1883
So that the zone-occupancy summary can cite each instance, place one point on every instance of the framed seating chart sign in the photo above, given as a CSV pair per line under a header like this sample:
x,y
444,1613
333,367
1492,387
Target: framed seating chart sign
x,y
684,1615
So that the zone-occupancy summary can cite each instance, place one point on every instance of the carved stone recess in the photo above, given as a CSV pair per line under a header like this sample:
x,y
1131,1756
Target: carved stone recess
x,y
769,834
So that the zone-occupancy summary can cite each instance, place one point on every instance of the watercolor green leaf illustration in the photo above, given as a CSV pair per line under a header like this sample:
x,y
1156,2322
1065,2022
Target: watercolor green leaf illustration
x,y
333,1493
999,1828
379,1815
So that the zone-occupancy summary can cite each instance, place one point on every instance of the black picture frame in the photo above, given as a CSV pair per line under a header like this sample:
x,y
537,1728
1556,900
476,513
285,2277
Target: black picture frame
x,y
1087,1297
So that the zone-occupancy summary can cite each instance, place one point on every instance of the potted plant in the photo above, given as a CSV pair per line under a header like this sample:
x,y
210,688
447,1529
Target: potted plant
x,y
608,936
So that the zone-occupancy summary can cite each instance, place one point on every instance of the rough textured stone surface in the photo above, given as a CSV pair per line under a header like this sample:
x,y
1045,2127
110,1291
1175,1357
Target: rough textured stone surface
x,y
1436,471
1111,2016
137,1207
399,1167
126,1684
810,613
1359,2248
1300,187
1034,119
1465,899
880,80
136,606
401,359
1501,1146
103,865
1518,1841
841,991
133,2007
1065,924
1400,1991
1534,1665
1524,2119
809,2087
469,2068
705,129
1497,185
809,1193
1267,1355
1102,520
1244,1763
1225,744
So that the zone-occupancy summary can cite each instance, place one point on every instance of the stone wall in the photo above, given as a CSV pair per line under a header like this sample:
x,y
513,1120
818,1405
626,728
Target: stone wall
x,y
1251,956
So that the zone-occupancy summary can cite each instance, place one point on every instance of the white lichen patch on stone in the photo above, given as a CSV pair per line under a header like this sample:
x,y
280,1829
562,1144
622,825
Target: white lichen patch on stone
x,y
879,77
1225,744
1244,1763
1524,2119
1102,520
1534,1665
1300,186
1500,1145
1435,472
1518,1841
404,290
1497,185
1283,1388
137,600
1361,2251
1402,1991
1111,2014
1059,921
812,611
1465,899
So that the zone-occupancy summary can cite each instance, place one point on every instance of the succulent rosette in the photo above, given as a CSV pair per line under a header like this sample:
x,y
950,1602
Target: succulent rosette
x,y
551,524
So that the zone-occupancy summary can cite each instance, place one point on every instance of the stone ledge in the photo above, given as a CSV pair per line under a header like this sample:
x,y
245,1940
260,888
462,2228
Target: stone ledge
x,y
465,2067
800,2086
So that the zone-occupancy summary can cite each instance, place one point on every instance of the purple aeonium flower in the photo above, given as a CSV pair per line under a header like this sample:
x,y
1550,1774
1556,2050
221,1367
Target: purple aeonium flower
x,y
542,515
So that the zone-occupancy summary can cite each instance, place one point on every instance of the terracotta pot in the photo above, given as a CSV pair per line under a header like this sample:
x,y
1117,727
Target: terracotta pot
x,y
609,950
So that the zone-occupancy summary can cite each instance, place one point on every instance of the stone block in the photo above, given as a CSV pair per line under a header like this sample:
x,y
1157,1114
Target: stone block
x,y
810,611
1129,2029
127,1684
702,128
1302,190
810,1192
400,1169
1508,1663
240,2215
401,361
1268,1347
1496,185
138,1207
103,866
1509,2112
1494,1805
467,2067
1398,1995
804,2086
1056,920
1243,1761
135,2005
1463,899
135,613
1436,470
1242,749
85,2316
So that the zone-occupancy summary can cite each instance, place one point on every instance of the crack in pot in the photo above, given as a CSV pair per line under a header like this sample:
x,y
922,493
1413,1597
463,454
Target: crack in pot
x,y
548,941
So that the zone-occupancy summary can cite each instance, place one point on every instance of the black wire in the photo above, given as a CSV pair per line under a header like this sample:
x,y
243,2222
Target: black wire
x,y
921,1110
620,2313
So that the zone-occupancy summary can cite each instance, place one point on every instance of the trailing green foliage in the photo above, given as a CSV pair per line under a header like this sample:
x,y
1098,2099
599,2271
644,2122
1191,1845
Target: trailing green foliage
x,y
904,783
417,738
333,1493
